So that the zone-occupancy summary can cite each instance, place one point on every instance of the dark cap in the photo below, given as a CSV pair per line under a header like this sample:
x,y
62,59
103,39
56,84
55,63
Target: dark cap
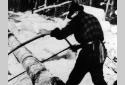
x,y
73,8
76,7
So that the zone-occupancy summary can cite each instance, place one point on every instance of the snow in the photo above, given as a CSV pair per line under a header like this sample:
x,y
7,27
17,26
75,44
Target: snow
x,y
30,26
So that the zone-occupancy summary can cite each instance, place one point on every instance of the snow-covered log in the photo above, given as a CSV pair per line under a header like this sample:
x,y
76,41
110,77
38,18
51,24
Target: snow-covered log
x,y
36,71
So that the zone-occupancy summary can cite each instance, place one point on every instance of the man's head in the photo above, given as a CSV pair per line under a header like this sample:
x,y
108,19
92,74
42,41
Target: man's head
x,y
74,8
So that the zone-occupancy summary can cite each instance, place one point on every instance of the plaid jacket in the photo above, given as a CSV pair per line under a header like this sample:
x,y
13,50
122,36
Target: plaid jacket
x,y
85,28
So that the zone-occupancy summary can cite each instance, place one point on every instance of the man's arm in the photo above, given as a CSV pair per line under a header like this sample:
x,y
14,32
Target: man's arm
x,y
65,32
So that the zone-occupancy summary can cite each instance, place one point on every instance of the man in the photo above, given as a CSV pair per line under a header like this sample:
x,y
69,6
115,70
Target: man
x,y
89,34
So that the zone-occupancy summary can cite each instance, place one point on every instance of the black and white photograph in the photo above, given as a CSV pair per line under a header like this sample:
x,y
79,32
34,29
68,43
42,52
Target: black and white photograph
x,y
62,42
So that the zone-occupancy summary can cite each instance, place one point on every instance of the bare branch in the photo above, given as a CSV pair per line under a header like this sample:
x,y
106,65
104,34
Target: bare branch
x,y
52,6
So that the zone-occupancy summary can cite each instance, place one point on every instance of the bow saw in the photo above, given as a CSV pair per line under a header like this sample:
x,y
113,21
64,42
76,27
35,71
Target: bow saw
x,y
31,40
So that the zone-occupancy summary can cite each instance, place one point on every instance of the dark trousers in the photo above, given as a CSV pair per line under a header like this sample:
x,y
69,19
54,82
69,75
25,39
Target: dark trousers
x,y
87,61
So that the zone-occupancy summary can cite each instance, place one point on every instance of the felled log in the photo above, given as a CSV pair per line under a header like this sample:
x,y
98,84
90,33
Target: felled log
x,y
37,72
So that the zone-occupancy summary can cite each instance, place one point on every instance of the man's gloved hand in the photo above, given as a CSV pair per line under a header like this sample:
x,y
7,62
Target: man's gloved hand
x,y
74,48
55,32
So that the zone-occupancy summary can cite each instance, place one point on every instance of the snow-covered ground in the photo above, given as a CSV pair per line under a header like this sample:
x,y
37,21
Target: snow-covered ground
x,y
27,25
